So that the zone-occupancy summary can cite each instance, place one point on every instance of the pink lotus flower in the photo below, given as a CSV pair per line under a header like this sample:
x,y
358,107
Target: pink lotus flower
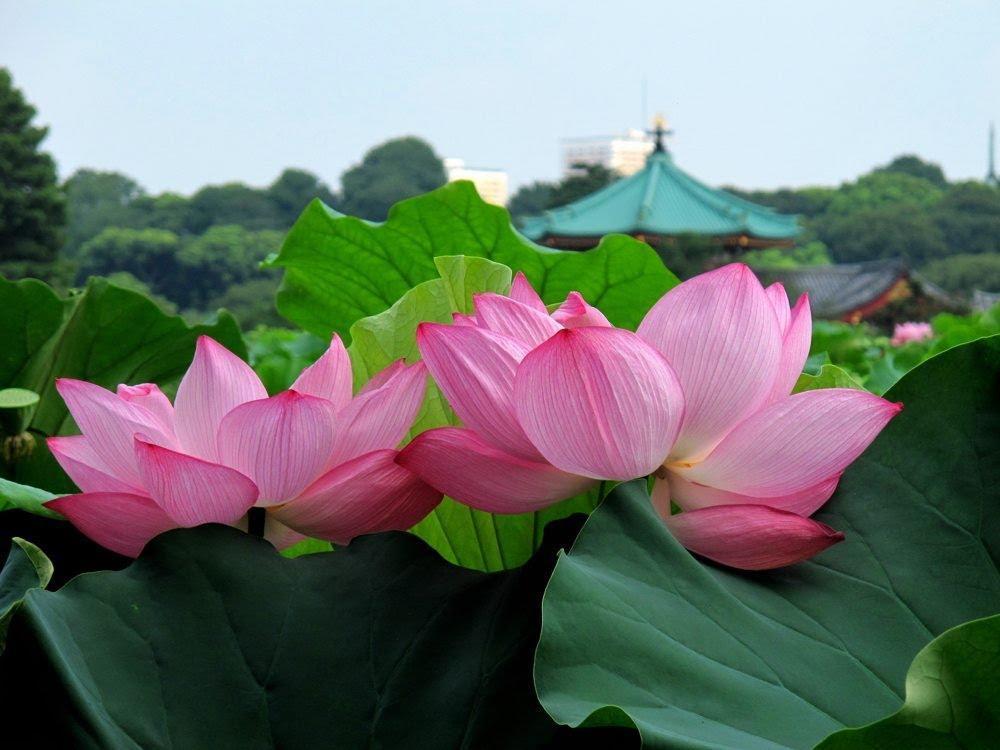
x,y
549,403
904,333
751,462
320,462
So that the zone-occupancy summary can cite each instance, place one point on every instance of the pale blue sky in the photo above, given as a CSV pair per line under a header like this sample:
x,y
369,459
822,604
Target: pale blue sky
x,y
179,94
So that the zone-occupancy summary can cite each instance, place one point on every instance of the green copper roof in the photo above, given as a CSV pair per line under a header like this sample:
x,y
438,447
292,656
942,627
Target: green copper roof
x,y
661,199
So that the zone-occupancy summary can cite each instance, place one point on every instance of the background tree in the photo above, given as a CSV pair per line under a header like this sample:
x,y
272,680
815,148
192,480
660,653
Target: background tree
x,y
150,255
916,167
531,199
32,207
221,258
969,217
397,169
292,192
540,196
963,273
232,203
94,201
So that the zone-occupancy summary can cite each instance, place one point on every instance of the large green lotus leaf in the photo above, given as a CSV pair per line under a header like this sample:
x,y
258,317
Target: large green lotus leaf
x,y
468,537
699,656
952,697
339,269
106,335
213,640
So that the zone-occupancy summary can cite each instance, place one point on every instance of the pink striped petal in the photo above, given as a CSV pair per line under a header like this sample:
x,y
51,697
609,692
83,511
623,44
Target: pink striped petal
x,y
459,319
794,349
509,317
109,423
282,443
85,467
778,298
192,491
751,537
216,382
279,535
464,466
576,313
474,368
329,376
383,376
150,396
599,402
719,333
691,496
795,443
121,522
379,418
371,493
522,291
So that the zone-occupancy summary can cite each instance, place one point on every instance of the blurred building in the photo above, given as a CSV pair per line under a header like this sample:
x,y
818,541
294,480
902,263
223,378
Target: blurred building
x,y
625,154
491,184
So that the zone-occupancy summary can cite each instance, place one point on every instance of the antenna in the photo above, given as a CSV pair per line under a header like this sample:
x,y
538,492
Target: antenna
x,y
991,174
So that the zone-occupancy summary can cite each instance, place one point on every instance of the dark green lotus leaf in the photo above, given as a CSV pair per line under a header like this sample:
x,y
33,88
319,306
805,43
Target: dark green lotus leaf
x,y
213,640
952,697
26,568
339,269
697,656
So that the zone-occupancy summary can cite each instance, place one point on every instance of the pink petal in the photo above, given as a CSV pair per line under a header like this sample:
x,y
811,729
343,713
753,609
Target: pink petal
x,y
329,376
576,313
379,418
795,443
282,443
522,291
751,537
719,333
599,402
509,317
383,376
458,319
280,535
475,369
85,467
794,349
109,423
216,382
464,466
368,494
778,298
121,522
691,496
150,396
192,491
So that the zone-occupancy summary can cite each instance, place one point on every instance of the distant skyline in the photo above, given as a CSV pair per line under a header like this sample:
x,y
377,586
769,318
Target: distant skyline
x,y
760,95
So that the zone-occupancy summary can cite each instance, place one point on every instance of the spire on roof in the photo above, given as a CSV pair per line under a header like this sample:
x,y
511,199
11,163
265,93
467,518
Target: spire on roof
x,y
659,132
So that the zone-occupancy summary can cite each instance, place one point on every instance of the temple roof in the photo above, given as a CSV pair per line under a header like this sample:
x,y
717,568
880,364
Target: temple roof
x,y
661,200
838,291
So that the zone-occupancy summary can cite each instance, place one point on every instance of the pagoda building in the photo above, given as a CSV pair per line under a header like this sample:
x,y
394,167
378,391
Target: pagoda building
x,y
658,204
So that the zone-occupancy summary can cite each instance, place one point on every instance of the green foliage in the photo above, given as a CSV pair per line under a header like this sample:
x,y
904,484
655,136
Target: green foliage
x,y
232,203
539,196
278,355
23,497
806,202
914,166
969,218
96,200
150,255
829,376
339,269
105,335
961,273
32,208
888,231
392,171
811,254
881,189
381,644
468,537
293,191
701,656
952,697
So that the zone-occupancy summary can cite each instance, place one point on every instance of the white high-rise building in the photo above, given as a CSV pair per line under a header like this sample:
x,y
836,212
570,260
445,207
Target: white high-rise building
x,y
491,184
625,154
